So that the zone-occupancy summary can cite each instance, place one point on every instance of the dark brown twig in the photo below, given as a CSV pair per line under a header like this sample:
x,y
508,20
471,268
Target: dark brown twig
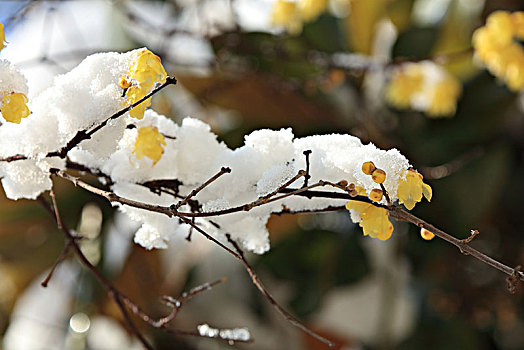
x,y
307,176
256,281
395,211
514,279
224,170
112,291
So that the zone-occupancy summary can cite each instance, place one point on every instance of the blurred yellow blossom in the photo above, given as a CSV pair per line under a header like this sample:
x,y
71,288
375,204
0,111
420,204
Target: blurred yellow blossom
x,y
145,70
444,98
285,14
149,142
497,46
311,9
373,220
14,107
292,14
411,188
424,86
2,37
404,83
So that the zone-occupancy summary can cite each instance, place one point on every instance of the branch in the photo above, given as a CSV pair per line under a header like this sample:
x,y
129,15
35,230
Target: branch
x,y
461,244
258,283
112,291
395,211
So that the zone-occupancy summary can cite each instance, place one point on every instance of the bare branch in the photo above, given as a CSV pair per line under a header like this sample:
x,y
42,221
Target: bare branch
x,y
224,170
272,301
112,291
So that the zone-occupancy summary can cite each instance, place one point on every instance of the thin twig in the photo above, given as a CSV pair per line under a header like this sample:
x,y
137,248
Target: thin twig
x,y
174,304
464,247
307,176
256,281
113,292
60,258
223,170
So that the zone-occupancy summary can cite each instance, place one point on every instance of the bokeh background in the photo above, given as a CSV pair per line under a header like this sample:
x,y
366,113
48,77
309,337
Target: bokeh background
x,y
239,72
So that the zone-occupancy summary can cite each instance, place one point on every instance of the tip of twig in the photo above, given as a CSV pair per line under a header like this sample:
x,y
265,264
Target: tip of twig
x,y
513,280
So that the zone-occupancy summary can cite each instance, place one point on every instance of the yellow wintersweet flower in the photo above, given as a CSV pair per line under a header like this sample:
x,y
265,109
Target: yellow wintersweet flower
x,y
148,143
373,220
424,86
134,94
497,46
2,37
444,98
147,70
286,14
404,83
292,14
144,72
14,107
411,188
311,9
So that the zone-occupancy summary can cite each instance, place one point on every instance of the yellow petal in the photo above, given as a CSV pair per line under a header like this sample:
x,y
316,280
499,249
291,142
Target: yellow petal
x,y
14,107
286,14
311,9
148,143
405,82
134,94
427,191
373,220
145,71
411,188
443,102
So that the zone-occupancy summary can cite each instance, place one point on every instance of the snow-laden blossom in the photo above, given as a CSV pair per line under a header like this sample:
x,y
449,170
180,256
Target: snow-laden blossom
x,y
145,70
373,220
149,144
92,91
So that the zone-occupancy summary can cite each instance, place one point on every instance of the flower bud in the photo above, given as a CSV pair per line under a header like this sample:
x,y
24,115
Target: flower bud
x,y
368,168
427,235
375,195
379,176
